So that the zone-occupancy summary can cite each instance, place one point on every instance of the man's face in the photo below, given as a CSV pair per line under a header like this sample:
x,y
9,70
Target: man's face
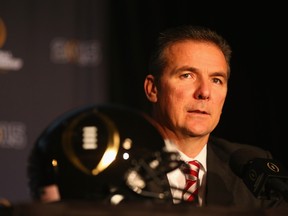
x,y
192,89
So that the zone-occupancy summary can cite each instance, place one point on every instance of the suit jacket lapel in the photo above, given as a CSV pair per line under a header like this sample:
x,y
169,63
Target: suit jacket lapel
x,y
218,179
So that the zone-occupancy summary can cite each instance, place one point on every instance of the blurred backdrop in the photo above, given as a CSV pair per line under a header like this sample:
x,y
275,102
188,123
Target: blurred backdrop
x,y
58,55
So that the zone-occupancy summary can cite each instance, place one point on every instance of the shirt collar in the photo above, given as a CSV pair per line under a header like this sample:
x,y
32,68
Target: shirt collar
x,y
201,157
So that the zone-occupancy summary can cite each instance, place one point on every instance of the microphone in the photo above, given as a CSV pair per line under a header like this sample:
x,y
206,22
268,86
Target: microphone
x,y
153,169
265,178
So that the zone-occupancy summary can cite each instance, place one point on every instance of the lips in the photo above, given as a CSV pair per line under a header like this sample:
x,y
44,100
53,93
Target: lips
x,y
198,111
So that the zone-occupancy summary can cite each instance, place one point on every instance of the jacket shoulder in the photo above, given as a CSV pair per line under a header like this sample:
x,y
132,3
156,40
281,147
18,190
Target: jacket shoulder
x,y
227,147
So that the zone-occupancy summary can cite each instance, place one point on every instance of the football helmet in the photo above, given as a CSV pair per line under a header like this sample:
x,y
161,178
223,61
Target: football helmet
x,y
108,153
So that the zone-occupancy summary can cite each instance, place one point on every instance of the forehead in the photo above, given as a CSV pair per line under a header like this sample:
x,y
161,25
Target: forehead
x,y
196,54
190,47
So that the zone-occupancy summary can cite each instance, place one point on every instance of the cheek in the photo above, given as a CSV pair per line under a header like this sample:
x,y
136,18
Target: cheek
x,y
223,98
177,89
220,103
175,94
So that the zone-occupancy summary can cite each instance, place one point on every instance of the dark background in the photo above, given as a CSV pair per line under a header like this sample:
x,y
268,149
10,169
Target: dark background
x,y
255,111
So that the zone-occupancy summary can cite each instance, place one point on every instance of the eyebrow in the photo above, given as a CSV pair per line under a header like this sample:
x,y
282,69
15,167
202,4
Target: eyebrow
x,y
221,74
193,69
184,68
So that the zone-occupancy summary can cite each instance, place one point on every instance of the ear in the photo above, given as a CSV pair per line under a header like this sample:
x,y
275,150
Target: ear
x,y
150,88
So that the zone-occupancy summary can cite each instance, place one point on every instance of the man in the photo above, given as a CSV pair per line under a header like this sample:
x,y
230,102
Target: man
x,y
187,86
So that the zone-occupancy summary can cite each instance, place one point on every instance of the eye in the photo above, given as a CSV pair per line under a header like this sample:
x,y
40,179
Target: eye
x,y
217,81
186,75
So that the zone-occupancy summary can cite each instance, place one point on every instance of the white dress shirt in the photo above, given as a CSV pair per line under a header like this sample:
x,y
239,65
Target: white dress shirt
x,y
177,178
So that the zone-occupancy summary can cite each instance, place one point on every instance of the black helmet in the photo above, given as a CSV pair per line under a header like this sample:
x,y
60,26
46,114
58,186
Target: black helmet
x,y
98,151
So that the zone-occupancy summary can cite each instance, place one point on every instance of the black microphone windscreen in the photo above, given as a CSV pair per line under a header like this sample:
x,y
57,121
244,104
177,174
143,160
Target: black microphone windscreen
x,y
265,177
240,158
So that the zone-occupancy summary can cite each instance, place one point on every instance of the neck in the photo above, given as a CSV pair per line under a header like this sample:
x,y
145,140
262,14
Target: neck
x,y
187,144
191,146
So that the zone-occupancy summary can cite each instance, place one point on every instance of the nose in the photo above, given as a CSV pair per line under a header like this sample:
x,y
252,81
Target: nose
x,y
202,91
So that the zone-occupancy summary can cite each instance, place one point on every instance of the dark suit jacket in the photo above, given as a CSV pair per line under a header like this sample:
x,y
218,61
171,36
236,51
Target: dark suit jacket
x,y
223,187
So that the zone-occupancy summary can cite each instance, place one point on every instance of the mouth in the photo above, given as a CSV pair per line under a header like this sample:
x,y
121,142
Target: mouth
x,y
198,112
